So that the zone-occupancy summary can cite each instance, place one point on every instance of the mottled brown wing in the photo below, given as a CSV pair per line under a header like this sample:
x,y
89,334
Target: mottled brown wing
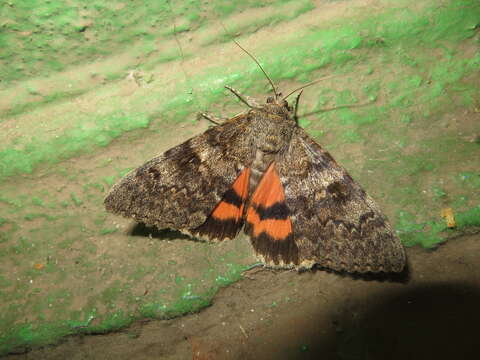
x,y
180,188
335,223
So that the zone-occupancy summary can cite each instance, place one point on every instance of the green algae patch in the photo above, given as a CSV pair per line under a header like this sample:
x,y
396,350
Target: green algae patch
x,y
75,199
77,140
7,229
25,336
469,218
33,216
284,11
189,300
29,335
23,107
106,231
62,34
432,233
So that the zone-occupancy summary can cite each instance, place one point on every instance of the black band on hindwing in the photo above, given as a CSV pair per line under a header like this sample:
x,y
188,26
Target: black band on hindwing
x,y
277,211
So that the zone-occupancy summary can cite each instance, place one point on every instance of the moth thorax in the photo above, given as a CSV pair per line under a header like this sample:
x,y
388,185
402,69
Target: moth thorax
x,y
274,140
272,131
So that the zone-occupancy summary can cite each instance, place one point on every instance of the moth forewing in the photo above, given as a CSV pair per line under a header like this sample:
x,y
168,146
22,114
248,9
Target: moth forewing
x,y
260,171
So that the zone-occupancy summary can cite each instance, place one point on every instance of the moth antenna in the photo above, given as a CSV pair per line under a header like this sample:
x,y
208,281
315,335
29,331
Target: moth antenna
x,y
256,62
295,109
307,85
260,66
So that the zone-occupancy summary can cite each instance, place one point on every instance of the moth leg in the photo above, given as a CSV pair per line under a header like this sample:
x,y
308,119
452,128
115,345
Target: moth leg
x,y
247,100
212,118
252,270
295,107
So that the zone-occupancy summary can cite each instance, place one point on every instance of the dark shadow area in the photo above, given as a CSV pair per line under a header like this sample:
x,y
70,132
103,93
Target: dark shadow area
x,y
401,277
439,321
140,229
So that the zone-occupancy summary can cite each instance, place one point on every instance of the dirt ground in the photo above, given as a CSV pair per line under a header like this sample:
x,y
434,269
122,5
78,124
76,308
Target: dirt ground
x,y
431,312
96,261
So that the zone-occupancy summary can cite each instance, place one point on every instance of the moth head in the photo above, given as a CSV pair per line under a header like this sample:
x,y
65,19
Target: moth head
x,y
279,101
278,106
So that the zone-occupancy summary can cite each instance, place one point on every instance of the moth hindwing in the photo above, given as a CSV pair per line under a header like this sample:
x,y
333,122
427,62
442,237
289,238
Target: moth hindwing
x,y
259,170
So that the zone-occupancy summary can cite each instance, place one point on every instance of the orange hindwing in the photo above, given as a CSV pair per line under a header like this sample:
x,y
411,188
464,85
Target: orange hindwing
x,y
268,221
226,220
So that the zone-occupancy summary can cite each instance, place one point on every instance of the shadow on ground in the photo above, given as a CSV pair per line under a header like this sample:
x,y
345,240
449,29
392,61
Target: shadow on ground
x,y
437,321
142,230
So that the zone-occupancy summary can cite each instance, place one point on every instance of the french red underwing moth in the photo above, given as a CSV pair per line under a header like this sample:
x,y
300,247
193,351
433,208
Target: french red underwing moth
x,y
262,172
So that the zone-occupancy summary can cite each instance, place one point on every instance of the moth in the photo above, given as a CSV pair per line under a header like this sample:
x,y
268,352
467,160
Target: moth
x,y
262,172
